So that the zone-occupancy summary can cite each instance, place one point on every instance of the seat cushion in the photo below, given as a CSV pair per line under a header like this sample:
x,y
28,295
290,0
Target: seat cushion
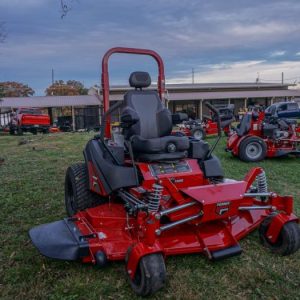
x,y
166,144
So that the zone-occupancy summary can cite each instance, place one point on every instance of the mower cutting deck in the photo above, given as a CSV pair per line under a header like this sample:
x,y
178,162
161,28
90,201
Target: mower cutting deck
x,y
158,195
261,135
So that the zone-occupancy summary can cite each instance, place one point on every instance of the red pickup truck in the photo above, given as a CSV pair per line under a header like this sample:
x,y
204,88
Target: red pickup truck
x,y
29,120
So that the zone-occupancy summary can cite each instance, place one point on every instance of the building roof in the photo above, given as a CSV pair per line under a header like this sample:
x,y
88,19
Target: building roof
x,y
234,95
50,101
193,95
210,86
175,92
231,85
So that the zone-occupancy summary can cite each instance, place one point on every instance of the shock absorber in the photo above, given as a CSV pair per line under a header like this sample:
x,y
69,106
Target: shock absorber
x,y
262,185
155,197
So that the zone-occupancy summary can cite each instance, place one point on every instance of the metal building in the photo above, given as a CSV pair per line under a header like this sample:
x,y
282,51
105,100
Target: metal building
x,y
180,97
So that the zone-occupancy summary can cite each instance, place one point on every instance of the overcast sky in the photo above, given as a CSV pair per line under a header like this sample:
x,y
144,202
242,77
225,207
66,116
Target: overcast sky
x,y
224,41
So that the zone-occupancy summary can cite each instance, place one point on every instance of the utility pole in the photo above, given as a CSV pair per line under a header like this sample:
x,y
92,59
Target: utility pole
x,y
282,78
193,75
52,75
257,78
50,108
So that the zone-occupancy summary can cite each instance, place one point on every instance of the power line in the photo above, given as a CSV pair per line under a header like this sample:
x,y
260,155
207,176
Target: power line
x,y
193,76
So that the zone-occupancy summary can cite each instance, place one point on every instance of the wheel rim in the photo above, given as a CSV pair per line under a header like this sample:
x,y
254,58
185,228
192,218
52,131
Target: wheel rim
x,y
198,134
254,150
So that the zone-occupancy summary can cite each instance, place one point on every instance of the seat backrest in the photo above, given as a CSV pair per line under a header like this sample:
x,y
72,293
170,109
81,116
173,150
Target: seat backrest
x,y
245,125
152,119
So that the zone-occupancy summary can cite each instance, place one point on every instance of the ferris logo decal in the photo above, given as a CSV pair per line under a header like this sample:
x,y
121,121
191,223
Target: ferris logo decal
x,y
178,180
222,208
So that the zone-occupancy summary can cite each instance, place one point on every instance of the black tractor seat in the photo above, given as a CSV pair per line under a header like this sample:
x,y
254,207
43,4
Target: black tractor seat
x,y
244,125
147,124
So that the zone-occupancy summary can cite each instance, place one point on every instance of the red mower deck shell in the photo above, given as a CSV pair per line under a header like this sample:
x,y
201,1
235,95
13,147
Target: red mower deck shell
x,y
215,229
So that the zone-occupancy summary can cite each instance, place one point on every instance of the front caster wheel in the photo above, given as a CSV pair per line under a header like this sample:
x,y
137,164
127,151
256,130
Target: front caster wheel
x,y
288,241
150,275
101,259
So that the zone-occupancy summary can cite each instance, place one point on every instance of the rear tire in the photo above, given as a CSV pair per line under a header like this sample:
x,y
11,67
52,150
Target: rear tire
x,y
19,131
252,149
11,131
288,241
198,133
150,275
77,194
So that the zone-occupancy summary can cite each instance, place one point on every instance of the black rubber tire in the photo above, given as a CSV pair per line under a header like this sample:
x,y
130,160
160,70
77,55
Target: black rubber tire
x,y
288,241
255,142
200,131
77,194
19,131
11,131
150,275
46,131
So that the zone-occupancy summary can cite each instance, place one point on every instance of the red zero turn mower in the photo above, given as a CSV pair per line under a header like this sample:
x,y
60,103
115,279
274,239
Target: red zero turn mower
x,y
208,126
157,195
260,135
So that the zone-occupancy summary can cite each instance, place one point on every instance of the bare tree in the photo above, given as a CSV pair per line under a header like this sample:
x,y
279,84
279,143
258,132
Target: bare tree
x,y
65,7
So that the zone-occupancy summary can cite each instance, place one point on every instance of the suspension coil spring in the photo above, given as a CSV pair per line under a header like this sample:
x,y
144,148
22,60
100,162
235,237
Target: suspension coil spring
x,y
262,185
154,197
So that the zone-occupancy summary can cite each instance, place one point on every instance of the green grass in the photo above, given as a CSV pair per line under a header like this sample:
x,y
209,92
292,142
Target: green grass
x,y
31,193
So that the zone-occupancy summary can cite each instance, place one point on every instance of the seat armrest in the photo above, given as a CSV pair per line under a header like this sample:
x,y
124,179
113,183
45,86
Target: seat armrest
x,y
128,118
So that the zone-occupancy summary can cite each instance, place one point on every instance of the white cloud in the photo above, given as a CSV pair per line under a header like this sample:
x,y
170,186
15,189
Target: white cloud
x,y
243,71
264,31
186,34
278,53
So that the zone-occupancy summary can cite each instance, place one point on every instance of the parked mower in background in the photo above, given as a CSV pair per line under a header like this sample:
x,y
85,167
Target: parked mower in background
x,y
208,126
261,134
153,194
29,120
